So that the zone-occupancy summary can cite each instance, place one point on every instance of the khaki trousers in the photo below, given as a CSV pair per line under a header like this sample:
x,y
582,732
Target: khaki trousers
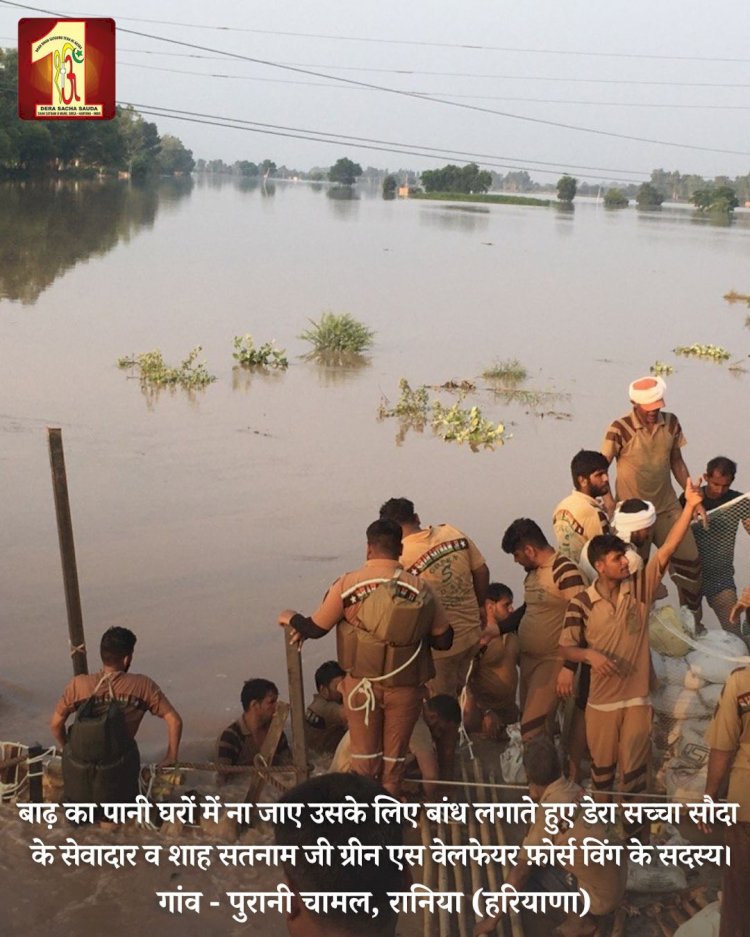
x,y
620,743
380,744
735,920
538,695
451,672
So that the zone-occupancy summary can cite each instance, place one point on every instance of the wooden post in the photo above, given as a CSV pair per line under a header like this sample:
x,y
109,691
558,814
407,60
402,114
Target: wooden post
x,y
297,703
36,775
67,550
264,758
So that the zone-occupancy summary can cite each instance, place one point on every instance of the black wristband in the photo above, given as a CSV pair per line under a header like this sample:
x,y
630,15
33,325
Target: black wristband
x,y
570,665
306,626
444,641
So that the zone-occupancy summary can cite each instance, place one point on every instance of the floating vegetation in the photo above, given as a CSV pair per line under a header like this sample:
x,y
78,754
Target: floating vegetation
x,y
266,356
337,335
412,405
455,424
734,297
661,367
510,371
460,387
555,415
526,396
154,372
737,368
713,352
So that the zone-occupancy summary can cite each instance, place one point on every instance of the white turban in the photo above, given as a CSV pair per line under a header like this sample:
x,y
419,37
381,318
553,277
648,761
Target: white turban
x,y
635,563
648,392
627,524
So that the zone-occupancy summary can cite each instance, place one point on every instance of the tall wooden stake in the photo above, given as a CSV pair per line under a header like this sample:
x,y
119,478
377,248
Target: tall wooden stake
x,y
297,703
67,550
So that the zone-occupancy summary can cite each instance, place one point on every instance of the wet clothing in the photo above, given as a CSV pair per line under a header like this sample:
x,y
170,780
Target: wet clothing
x,y
325,724
494,677
446,558
136,693
237,746
576,520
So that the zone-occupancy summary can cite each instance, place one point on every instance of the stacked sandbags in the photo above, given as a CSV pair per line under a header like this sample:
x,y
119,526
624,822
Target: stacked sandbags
x,y
690,674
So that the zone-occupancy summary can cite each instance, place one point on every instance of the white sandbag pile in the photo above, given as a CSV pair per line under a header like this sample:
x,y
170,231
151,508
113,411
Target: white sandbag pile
x,y
690,674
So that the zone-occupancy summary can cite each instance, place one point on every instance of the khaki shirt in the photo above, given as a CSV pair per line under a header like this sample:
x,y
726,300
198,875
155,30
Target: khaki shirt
x,y
547,591
644,467
446,558
619,631
136,693
605,884
730,732
577,519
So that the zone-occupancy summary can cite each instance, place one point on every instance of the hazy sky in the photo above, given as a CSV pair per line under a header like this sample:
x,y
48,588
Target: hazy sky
x,y
691,64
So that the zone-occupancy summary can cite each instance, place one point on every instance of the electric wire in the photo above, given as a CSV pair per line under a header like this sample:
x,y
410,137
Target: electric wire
x,y
408,94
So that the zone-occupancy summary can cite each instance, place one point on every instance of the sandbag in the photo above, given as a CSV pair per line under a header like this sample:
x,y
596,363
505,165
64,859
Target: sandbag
x,y
684,784
511,760
709,661
659,665
662,624
678,703
675,670
688,744
705,923
710,697
655,878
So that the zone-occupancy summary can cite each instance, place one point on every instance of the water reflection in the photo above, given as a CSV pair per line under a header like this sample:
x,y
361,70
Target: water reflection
x,y
455,217
338,369
242,378
47,228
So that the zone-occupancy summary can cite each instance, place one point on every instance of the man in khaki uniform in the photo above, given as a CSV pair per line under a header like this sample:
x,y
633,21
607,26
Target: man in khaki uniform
x,y
581,515
647,444
604,883
729,739
325,719
552,580
381,708
447,559
606,626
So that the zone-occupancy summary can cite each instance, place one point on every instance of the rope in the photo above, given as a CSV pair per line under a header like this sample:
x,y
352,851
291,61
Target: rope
x,y
365,687
11,789
464,740
77,649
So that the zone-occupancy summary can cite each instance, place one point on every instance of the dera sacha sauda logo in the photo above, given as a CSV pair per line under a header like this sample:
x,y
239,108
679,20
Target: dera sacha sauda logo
x,y
66,69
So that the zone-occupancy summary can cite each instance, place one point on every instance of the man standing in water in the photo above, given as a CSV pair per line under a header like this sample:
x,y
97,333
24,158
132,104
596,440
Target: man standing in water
x,y
647,444
387,622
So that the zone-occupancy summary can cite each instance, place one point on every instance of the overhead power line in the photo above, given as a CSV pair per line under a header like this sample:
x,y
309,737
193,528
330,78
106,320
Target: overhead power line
x,y
471,46
409,94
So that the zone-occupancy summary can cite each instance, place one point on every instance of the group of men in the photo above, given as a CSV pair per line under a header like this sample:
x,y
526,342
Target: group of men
x,y
421,619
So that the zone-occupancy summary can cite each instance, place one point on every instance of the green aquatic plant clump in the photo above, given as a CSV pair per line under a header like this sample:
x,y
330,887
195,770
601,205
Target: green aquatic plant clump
x,y
661,368
337,334
266,356
510,371
456,424
411,405
714,352
155,372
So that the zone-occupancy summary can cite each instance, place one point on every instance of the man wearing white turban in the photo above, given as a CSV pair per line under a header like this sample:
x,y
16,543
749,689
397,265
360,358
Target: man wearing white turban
x,y
647,443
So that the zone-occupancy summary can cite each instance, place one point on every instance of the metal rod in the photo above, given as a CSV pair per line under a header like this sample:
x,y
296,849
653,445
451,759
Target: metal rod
x,y
67,550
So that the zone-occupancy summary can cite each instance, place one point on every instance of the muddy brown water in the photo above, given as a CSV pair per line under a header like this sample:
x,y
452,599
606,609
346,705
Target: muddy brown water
x,y
198,517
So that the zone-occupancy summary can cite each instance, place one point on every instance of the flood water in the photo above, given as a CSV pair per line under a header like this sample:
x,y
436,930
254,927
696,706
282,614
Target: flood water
x,y
197,517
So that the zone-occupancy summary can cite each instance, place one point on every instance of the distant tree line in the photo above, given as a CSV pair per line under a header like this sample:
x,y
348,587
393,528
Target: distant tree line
x,y
87,147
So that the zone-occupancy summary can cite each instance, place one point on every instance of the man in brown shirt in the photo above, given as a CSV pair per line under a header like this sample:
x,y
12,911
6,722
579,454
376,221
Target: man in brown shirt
x,y
551,581
134,693
606,626
581,515
325,718
647,444
451,563
381,708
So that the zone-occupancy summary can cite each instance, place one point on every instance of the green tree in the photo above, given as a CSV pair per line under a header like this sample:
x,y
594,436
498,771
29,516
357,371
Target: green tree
x,y
245,168
267,168
648,196
616,198
344,171
174,157
389,186
721,199
452,178
567,187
